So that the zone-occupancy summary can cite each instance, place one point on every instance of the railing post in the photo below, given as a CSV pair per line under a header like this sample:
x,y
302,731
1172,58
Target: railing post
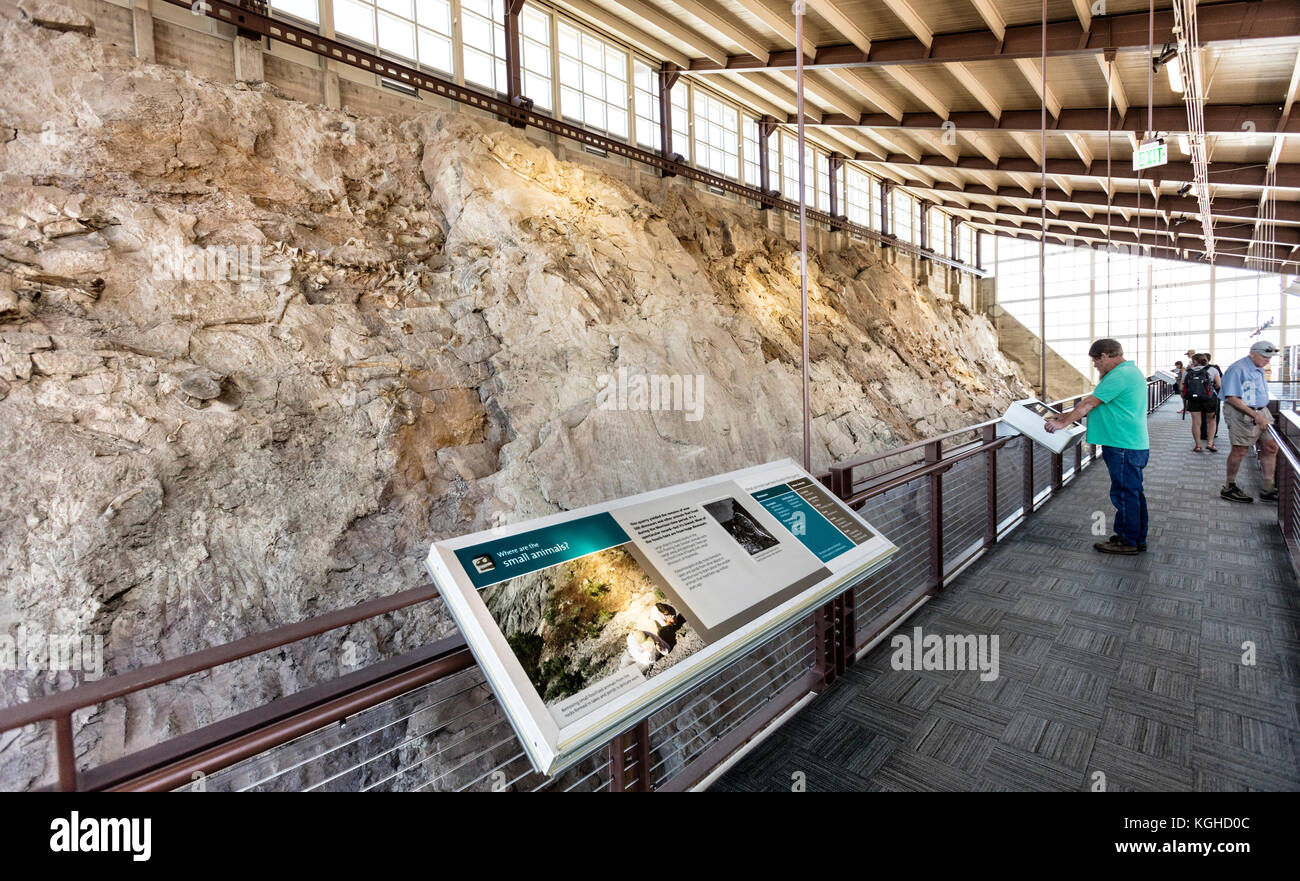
x,y
67,757
1027,493
848,628
988,436
1078,450
933,454
1286,486
824,634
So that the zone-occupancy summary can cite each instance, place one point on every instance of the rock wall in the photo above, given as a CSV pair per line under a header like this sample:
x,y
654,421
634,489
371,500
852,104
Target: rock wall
x,y
255,355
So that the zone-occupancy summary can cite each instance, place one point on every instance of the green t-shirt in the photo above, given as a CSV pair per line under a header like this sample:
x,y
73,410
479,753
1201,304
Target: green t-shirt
x,y
1121,419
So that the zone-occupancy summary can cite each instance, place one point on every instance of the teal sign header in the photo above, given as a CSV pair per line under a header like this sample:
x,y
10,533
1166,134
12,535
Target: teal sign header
x,y
506,558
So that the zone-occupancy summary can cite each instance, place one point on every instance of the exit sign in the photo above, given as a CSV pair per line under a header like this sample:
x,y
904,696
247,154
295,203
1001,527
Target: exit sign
x,y
1151,154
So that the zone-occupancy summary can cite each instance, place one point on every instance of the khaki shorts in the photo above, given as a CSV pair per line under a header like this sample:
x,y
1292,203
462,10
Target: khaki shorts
x,y
1243,431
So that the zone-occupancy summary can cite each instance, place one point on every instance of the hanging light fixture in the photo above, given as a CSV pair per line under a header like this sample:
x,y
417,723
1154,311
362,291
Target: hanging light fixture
x,y
1168,58
1175,71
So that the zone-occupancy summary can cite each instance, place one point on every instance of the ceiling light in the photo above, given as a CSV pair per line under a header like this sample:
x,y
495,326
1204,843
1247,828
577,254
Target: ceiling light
x,y
1175,75
1185,144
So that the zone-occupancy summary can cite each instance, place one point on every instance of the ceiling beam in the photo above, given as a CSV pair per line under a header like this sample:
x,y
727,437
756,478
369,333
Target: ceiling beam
x,y
1230,22
973,84
824,94
675,29
1081,147
985,148
1223,174
782,25
857,80
1287,237
710,15
917,89
774,89
841,22
989,12
1031,144
1243,210
1084,11
1118,97
911,19
1226,119
1146,238
1033,72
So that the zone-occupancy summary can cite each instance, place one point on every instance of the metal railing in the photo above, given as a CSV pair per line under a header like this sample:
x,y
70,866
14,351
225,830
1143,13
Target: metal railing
x,y
427,719
1286,434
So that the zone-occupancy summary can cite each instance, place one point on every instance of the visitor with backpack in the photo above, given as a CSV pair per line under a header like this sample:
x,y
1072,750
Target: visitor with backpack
x,y
1200,391
1217,372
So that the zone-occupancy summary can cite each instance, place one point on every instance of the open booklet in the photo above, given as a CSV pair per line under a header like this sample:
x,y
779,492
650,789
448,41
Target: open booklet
x,y
587,621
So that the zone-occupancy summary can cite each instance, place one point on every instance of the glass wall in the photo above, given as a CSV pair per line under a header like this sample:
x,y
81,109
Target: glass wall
x,y
1156,308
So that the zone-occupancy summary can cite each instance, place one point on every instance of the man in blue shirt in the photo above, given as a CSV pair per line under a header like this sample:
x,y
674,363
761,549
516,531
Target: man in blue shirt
x,y
1245,392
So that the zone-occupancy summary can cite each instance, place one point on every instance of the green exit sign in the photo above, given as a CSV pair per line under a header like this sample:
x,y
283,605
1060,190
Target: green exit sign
x,y
1150,154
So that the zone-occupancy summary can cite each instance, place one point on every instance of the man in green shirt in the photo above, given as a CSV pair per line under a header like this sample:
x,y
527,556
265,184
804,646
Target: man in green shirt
x,y
1118,425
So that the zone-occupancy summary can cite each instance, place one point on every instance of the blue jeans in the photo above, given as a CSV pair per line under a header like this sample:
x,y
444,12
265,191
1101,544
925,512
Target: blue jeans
x,y
1125,467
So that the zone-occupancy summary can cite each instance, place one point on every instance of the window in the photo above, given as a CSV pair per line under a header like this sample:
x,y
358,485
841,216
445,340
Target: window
x,y
418,30
484,37
593,81
751,164
937,231
646,85
859,196
904,207
822,164
790,169
535,32
681,121
716,147
304,9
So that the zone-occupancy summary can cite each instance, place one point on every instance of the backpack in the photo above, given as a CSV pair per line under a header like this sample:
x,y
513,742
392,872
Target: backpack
x,y
1197,384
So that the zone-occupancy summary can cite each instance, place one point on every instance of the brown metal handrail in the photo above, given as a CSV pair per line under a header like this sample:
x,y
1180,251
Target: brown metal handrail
x,y
58,708
171,763
1288,487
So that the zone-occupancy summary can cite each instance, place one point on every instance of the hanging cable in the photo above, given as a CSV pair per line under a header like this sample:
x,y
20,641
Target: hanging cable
x,y
1042,232
803,235
1110,183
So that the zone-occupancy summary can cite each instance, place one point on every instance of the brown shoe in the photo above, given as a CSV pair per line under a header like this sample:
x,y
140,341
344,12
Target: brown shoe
x,y
1114,547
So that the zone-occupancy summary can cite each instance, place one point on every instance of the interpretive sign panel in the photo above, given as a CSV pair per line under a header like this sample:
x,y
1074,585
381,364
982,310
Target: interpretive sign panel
x,y
587,621
1028,416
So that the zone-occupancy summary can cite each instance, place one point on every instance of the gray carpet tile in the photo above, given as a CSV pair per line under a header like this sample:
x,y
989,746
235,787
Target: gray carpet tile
x,y
1129,667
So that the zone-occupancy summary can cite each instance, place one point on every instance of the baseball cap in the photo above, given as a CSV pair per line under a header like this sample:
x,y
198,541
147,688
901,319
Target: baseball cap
x,y
1264,347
